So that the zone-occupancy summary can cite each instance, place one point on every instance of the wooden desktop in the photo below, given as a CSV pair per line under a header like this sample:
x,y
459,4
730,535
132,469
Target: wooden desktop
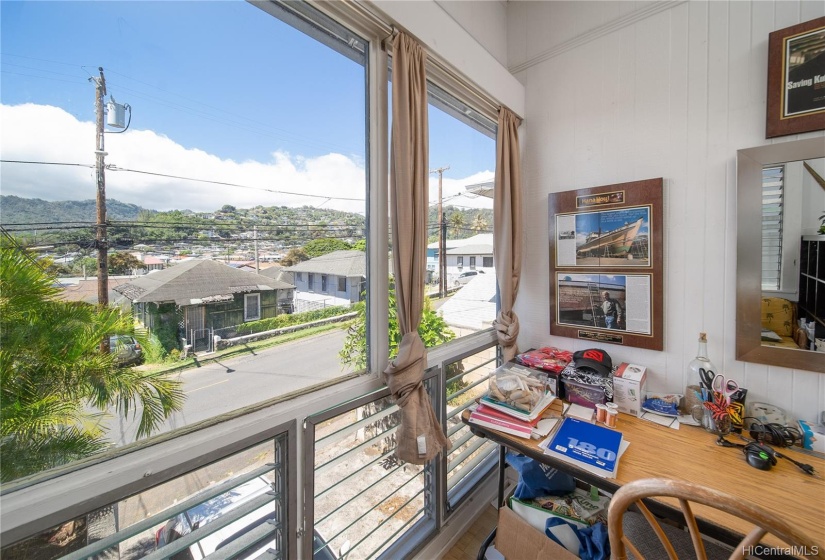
x,y
691,453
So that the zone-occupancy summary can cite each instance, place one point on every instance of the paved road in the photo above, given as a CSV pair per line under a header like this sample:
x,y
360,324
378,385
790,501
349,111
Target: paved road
x,y
228,385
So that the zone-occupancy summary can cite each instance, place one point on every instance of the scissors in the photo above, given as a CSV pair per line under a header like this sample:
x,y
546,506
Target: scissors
x,y
706,377
724,387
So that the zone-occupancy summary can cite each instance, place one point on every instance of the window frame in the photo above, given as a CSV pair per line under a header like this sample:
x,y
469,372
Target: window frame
x,y
459,261
487,262
342,283
472,263
166,456
246,305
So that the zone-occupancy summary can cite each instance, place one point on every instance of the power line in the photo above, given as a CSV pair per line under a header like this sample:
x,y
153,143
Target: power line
x,y
46,163
112,167
225,184
157,225
28,255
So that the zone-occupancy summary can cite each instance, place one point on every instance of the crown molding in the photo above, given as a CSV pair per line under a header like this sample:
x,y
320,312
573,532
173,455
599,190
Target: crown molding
x,y
598,32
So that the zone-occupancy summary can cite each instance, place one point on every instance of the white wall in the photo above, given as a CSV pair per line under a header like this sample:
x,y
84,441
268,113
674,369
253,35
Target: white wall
x,y
620,91
441,32
485,21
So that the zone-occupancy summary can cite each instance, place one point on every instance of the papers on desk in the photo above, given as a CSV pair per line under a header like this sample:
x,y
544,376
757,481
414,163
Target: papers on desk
x,y
574,410
662,419
591,447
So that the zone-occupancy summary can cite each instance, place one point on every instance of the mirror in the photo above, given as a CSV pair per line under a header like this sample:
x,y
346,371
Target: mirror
x,y
749,165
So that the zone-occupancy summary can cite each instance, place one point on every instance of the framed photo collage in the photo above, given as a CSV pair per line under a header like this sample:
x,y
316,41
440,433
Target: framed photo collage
x,y
606,264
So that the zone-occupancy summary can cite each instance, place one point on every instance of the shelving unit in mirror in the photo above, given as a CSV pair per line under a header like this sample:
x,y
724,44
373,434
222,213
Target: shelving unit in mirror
x,y
812,285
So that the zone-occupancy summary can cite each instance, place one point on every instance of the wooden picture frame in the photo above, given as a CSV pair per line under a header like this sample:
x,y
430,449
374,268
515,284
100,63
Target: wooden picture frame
x,y
796,79
608,239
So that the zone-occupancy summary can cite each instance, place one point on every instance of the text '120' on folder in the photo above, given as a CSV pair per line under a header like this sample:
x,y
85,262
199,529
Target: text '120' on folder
x,y
589,446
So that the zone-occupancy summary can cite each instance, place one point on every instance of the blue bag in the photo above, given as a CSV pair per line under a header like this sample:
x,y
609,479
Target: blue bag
x,y
537,479
593,540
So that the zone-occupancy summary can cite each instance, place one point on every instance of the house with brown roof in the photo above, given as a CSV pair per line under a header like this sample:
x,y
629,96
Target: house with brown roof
x,y
199,299
85,289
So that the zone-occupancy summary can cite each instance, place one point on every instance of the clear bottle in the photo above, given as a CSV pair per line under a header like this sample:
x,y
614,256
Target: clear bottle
x,y
701,361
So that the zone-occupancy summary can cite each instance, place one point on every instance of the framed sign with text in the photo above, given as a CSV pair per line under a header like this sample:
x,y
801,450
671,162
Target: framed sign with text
x,y
796,79
606,255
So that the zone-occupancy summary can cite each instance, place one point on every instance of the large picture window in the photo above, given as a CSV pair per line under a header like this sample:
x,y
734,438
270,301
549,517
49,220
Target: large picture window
x,y
221,189
215,181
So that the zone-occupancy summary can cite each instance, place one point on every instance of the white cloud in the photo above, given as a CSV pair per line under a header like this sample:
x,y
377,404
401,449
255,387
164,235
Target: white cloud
x,y
45,133
49,134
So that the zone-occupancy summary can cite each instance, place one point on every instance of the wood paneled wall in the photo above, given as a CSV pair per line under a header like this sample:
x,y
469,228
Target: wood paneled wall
x,y
621,91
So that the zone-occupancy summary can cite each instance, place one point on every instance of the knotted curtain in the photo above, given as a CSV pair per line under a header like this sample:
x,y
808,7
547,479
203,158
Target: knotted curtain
x,y
507,228
420,436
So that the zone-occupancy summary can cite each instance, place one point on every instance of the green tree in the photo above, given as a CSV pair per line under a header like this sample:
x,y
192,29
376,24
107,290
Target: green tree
x,y
55,268
360,245
318,247
123,263
294,256
479,223
55,384
87,265
433,330
456,222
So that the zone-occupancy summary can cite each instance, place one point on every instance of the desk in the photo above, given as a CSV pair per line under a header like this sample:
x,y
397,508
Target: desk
x,y
690,453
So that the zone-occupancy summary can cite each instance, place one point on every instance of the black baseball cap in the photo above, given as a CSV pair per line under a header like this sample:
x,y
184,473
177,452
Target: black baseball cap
x,y
594,359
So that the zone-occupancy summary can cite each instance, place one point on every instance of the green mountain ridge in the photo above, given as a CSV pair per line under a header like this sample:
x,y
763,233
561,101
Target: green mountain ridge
x,y
72,221
18,210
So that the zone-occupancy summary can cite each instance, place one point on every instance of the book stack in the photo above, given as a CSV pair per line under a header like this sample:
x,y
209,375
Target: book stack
x,y
591,447
513,417
489,417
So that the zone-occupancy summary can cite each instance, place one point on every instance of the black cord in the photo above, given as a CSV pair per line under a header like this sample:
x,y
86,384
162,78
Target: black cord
x,y
806,468
773,433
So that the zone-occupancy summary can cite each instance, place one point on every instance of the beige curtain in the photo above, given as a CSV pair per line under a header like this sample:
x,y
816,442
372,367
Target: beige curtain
x,y
420,437
507,224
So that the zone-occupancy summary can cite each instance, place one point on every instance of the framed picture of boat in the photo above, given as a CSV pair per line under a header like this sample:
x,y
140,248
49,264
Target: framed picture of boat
x,y
606,254
796,79
604,238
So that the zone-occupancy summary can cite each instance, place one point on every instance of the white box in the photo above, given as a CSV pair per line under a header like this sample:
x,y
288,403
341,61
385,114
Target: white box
x,y
628,387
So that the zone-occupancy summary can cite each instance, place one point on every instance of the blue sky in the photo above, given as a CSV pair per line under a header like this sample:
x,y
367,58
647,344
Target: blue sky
x,y
187,74
219,90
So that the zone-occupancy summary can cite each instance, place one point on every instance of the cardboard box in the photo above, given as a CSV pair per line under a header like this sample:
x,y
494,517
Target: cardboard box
x,y
628,387
517,540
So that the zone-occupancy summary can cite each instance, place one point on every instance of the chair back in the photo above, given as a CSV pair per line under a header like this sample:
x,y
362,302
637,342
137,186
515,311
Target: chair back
x,y
764,522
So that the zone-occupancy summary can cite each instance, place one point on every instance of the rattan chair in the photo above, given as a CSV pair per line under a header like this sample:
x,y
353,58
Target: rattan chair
x,y
623,528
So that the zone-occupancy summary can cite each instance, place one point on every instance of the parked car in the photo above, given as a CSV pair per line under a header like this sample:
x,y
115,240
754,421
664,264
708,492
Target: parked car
x,y
126,349
211,509
465,277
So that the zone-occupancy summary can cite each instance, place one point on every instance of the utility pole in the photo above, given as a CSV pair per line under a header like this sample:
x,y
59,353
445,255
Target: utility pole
x,y
442,238
100,230
100,237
